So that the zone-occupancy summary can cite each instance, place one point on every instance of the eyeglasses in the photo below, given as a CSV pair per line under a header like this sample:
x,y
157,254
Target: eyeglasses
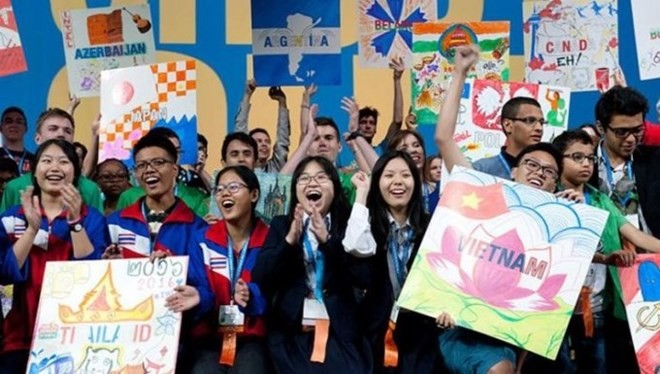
x,y
534,166
232,187
623,133
112,177
156,164
529,121
320,178
579,157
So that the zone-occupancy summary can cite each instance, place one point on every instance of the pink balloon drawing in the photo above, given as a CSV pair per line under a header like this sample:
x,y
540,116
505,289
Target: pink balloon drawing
x,y
122,93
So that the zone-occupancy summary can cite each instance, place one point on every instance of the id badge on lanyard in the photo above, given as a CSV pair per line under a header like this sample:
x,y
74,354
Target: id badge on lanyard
x,y
314,310
230,318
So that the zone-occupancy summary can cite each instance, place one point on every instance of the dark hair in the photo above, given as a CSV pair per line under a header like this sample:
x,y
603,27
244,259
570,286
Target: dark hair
x,y
259,130
13,109
378,209
327,121
164,131
339,209
241,137
398,138
79,145
8,165
622,101
107,161
247,176
590,126
511,107
567,138
202,139
543,147
70,152
368,111
54,112
155,140
427,166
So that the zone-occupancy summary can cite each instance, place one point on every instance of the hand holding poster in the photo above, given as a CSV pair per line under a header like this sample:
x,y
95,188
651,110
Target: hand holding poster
x,y
296,42
135,100
98,39
641,295
385,29
12,58
505,260
109,314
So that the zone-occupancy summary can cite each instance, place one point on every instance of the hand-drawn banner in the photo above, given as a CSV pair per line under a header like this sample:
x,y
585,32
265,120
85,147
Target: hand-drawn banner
x,y
12,58
433,60
478,130
572,43
385,29
647,38
505,260
641,295
107,316
105,38
296,42
135,100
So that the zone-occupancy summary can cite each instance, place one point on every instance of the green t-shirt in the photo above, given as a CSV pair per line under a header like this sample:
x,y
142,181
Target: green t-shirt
x,y
611,240
196,200
348,187
90,192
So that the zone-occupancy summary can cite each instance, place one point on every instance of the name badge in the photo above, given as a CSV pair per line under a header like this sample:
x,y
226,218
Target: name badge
x,y
230,316
634,220
313,310
395,313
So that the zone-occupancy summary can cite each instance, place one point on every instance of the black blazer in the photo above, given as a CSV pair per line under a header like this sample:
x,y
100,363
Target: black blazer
x,y
281,276
646,167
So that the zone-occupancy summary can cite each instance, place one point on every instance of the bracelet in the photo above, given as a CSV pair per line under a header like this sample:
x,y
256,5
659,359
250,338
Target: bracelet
x,y
75,222
353,135
304,106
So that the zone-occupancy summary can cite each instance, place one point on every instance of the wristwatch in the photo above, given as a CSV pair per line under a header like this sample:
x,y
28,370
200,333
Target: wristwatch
x,y
353,135
76,226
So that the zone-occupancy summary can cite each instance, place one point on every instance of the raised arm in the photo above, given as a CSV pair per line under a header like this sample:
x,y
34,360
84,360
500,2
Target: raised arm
x,y
241,119
466,56
304,108
90,161
304,145
364,152
397,66
281,148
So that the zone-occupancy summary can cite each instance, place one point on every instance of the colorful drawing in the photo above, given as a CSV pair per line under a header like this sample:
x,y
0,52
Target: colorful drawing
x,y
478,128
641,296
295,43
505,260
647,38
274,198
568,41
12,58
100,39
111,319
135,100
385,29
433,58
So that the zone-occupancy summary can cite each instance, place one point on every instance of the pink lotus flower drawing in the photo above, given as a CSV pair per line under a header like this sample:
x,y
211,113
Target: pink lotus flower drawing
x,y
493,271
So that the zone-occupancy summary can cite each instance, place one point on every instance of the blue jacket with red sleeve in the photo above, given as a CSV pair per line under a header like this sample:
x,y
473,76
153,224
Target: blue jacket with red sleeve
x,y
215,249
52,243
130,231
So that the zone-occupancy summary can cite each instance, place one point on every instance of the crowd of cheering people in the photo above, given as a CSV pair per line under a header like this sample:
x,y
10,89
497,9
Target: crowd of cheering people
x,y
314,290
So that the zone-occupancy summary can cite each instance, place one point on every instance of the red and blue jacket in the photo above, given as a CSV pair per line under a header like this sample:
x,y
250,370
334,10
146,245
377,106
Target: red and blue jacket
x,y
129,230
52,243
214,248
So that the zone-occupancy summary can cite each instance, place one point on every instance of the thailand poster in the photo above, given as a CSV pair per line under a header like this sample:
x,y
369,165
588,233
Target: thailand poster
x,y
647,38
433,60
296,42
98,39
478,128
505,260
107,317
385,29
135,100
571,43
641,295
12,58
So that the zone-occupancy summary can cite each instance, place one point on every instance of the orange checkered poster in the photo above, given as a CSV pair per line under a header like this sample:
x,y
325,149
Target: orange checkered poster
x,y
135,100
